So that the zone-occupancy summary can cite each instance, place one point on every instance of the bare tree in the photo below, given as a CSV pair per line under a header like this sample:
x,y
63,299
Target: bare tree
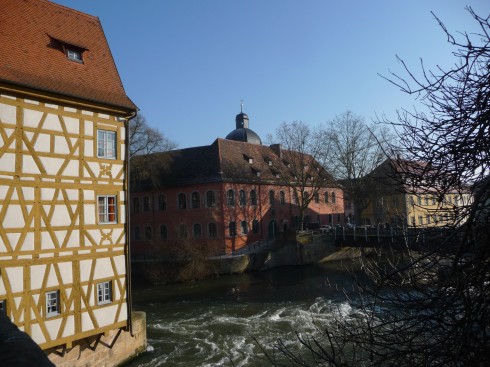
x,y
357,149
430,306
304,153
144,139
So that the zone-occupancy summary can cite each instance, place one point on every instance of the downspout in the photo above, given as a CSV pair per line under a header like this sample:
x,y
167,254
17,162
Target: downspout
x,y
129,298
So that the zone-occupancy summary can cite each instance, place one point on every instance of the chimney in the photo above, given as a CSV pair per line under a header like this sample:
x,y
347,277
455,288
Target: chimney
x,y
276,148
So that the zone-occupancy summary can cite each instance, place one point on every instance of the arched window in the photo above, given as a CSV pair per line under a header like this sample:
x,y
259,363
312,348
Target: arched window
x,y
195,200
271,197
242,198
230,198
232,229
244,226
333,197
163,232
182,201
210,199
325,197
196,230
212,230
148,233
295,197
317,198
253,197
162,202
282,198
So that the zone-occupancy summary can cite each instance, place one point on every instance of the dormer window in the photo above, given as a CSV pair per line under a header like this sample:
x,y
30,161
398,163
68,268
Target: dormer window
x,y
74,55
248,159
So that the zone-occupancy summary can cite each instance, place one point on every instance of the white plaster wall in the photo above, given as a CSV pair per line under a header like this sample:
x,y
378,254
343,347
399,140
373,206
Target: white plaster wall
x,y
13,217
72,125
16,278
7,162
103,269
53,326
37,334
89,215
52,123
32,118
37,275
87,323
105,315
7,113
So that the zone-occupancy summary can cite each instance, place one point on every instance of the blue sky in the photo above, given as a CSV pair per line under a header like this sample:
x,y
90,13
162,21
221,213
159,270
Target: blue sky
x,y
188,63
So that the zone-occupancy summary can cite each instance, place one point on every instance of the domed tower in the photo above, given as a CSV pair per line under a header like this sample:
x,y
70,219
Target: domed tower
x,y
242,132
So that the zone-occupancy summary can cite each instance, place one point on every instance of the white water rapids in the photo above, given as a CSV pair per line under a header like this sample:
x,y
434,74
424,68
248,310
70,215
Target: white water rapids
x,y
214,322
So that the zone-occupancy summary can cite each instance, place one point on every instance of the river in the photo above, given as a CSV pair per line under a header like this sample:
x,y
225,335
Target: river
x,y
214,322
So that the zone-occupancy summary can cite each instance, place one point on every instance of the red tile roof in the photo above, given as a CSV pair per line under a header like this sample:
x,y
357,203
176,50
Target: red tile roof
x,y
32,36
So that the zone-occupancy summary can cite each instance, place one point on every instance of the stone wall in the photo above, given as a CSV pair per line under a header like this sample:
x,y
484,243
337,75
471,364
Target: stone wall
x,y
104,351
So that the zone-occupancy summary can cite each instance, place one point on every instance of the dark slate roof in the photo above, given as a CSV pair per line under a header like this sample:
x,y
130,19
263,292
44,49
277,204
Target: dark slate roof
x,y
222,161
244,135
33,35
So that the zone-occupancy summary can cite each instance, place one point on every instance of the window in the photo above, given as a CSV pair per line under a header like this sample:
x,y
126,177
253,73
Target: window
x,y
196,230
426,200
74,55
107,209
3,306
242,198
333,197
146,204
210,199
271,197
53,303
295,197
282,198
163,232
317,198
421,220
195,200
106,144
182,201
137,233
136,205
419,200
148,233
183,231
325,197
104,293
255,226
244,226
230,198
212,230
162,202
253,197
427,218
232,229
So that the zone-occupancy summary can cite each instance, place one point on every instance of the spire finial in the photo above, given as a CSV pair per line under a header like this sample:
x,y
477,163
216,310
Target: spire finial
x,y
241,106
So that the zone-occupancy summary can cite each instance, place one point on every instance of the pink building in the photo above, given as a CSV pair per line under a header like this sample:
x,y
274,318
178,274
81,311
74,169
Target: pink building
x,y
224,195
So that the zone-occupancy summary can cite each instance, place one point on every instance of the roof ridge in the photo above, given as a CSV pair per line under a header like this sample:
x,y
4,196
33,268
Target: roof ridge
x,y
70,9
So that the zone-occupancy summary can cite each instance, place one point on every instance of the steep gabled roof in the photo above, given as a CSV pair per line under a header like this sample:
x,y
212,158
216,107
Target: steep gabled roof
x,y
34,37
223,161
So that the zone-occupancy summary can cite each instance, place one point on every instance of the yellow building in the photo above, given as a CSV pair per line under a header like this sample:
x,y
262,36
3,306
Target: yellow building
x,y
395,203
63,132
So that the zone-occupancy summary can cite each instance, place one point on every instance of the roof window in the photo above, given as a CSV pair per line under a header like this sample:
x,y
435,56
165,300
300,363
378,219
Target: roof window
x,y
73,54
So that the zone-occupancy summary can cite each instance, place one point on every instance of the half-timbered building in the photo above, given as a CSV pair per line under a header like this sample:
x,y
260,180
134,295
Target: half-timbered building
x,y
63,188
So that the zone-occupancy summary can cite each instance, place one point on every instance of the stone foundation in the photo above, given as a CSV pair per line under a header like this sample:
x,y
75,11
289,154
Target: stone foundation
x,y
114,349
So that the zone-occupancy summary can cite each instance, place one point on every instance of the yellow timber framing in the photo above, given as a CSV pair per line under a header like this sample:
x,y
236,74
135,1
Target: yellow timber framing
x,y
74,245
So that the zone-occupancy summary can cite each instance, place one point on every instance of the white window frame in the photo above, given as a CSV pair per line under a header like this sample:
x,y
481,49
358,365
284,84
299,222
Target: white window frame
x,y
106,144
53,305
74,54
103,206
104,293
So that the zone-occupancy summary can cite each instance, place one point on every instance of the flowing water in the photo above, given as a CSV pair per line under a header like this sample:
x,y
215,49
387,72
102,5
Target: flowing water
x,y
214,322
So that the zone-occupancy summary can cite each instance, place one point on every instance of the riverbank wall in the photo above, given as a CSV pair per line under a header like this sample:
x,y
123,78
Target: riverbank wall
x,y
106,350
